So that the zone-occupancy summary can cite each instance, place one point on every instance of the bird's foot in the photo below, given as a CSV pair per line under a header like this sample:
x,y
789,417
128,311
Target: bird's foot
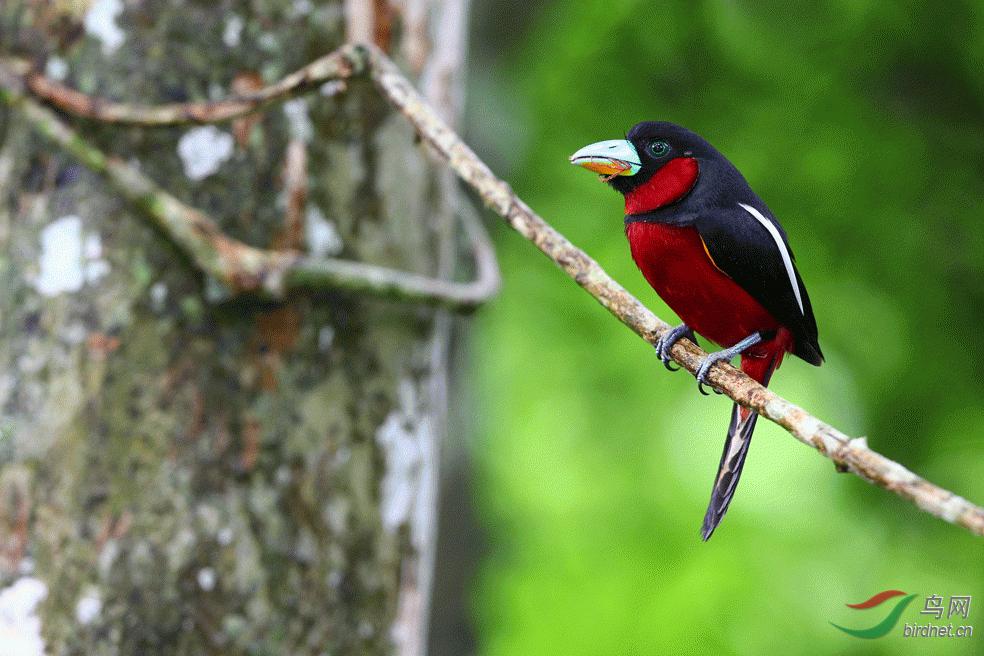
x,y
669,338
724,355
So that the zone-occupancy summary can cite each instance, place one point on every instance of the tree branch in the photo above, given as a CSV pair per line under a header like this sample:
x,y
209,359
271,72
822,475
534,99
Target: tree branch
x,y
279,270
334,67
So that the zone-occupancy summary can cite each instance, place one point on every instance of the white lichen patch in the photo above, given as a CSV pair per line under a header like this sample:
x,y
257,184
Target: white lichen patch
x,y
158,295
56,68
20,628
321,233
96,268
100,23
67,261
61,257
405,438
268,42
207,578
337,514
203,150
326,336
107,557
398,439
233,32
224,536
331,88
88,608
298,119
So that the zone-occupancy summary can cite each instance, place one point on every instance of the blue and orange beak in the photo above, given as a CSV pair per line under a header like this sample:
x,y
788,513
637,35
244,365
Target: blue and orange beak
x,y
609,158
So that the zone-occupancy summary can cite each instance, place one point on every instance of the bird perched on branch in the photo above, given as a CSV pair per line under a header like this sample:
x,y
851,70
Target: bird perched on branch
x,y
716,255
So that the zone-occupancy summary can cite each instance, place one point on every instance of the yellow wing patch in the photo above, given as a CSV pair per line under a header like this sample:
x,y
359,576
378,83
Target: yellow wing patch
x,y
709,256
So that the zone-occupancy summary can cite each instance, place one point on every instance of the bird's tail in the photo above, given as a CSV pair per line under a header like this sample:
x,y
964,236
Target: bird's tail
x,y
736,444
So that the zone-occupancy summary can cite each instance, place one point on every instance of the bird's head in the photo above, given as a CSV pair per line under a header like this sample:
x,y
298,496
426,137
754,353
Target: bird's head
x,y
656,164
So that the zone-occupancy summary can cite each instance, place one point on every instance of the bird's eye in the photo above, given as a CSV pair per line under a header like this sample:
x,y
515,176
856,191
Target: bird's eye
x,y
659,148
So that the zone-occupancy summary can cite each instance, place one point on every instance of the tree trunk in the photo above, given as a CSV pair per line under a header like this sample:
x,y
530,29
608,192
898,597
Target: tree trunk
x,y
190,473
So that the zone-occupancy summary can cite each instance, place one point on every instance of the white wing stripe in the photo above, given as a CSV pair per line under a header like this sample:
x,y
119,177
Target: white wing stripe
x,y
786,259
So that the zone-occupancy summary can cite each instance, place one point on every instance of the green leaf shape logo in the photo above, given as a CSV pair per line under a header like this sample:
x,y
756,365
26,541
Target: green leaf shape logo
x,y
885,625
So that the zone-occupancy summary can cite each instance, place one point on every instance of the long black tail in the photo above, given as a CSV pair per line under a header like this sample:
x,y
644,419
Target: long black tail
x,y
732,460
736,445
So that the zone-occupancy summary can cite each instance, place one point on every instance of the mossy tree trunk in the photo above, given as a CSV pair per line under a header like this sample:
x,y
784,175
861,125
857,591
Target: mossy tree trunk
x,y
191,473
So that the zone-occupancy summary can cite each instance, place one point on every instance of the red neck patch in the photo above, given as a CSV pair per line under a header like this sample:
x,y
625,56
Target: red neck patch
x,y
670,184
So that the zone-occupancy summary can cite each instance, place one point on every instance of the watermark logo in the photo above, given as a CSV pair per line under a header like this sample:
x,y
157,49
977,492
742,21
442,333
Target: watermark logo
x,y
887,624
958,606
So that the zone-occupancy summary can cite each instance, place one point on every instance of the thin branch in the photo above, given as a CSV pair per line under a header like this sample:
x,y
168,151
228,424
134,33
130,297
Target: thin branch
x,y
244,266
335,67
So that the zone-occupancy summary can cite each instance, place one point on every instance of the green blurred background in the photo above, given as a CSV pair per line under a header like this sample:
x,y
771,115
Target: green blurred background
x,y
861,124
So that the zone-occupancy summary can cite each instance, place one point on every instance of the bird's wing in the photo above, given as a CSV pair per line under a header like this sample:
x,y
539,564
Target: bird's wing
x,y
747,243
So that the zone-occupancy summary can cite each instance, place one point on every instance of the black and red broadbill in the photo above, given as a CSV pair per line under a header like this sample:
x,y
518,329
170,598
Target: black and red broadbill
x,y
717,256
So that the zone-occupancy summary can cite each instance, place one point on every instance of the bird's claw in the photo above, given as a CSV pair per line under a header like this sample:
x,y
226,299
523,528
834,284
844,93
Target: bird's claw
x,y
669,338
673,335
726,355
705,368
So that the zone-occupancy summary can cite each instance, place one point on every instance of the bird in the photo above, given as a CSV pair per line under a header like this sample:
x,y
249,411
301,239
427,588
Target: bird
x,y
717,256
